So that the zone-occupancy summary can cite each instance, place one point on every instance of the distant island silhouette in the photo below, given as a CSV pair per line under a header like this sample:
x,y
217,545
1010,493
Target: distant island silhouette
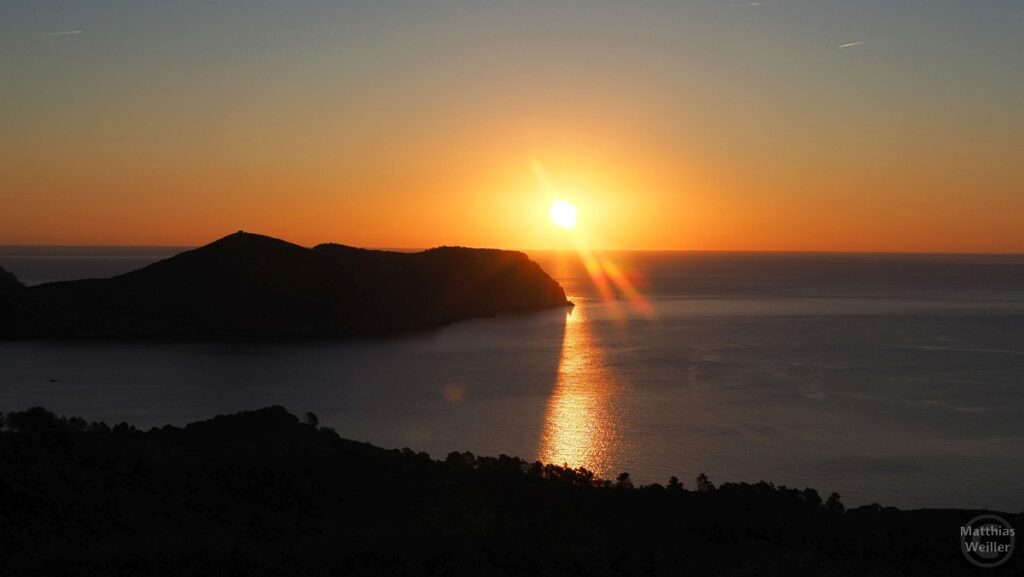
x,y
267,493
253,286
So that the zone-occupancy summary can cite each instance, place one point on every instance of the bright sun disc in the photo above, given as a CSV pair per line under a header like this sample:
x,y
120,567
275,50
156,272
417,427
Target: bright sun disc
x,y
564,214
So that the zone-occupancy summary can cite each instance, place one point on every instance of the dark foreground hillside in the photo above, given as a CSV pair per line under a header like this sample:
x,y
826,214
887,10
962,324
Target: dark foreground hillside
x,y
252,286
261,493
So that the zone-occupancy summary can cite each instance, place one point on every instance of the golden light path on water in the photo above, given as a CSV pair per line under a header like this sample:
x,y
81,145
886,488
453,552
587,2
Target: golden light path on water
x,y
582,427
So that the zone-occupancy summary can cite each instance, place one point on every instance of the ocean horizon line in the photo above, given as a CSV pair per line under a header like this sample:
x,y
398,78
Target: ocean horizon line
x,y
163,248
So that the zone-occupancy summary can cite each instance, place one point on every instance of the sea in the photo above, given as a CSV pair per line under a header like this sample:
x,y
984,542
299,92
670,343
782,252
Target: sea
x,y
888,378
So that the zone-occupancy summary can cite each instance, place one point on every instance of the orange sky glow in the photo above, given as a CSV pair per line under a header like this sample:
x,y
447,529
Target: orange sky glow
x,y
660,127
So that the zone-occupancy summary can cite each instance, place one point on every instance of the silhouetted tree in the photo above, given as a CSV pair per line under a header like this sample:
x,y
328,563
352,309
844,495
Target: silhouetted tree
x,y
833,504
123,428
703,484
312,420
812,497
674,484
623,481
464,460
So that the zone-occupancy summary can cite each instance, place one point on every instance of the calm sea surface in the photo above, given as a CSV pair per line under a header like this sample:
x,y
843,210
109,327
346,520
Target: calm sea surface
x,y
888,378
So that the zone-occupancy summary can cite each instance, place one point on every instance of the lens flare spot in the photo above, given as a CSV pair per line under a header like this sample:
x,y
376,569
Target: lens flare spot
x,y
454,393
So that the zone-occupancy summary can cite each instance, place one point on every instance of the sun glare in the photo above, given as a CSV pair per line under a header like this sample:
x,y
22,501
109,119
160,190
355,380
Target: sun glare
x,y
564,214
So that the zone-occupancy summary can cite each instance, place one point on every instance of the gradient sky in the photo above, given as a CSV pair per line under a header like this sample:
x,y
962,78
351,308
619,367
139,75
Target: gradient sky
x,y
777,125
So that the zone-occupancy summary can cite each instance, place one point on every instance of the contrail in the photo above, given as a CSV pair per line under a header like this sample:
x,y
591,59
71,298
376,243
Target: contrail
x,y
849,44
64,33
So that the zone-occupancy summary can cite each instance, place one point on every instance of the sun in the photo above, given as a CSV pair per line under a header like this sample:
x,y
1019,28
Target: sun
x,y
564,214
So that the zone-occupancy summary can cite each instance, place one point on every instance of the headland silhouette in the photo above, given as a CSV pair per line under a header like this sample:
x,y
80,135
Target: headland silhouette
x,y
252,286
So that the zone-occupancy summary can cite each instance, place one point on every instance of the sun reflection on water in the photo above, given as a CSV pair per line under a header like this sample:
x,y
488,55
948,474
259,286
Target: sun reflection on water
x,y
581,424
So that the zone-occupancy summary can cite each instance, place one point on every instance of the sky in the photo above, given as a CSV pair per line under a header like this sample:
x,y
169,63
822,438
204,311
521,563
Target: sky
x,y
848,125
